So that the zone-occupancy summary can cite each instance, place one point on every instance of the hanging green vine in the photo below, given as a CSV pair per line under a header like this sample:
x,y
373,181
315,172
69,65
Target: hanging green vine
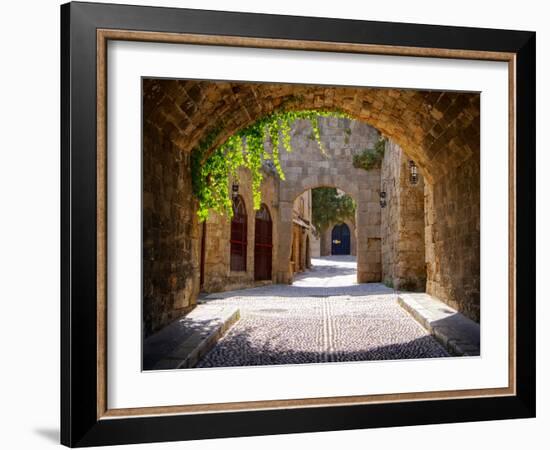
x,y
370,158
212,170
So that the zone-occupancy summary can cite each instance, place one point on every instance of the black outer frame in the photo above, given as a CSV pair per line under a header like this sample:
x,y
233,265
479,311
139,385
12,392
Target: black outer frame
x,y
79,424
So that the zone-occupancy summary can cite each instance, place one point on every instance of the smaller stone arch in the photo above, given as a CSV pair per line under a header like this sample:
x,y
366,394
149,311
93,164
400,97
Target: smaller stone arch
x,y
306,167
367,235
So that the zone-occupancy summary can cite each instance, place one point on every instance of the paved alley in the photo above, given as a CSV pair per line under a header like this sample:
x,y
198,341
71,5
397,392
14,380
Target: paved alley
x,y
324,316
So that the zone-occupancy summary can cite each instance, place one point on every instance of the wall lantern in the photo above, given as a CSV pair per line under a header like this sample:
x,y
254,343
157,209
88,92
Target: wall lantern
x,y
382,199
413,172
235,190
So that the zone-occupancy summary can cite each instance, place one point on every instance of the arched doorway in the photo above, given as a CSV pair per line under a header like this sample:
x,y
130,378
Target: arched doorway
x,y
341,239
238,236
263,244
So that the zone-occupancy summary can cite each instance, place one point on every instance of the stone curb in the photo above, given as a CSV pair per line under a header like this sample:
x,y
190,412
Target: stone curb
x,y
188,354
458,334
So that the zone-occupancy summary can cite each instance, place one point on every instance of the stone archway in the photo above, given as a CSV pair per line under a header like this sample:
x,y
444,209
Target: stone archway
x,y
440,131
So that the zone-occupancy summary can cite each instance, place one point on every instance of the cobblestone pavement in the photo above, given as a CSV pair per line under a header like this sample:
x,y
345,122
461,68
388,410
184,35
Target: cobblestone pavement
x,y
324,316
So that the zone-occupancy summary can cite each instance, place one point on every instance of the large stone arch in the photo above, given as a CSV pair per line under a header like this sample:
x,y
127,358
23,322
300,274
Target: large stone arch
x,y
440,131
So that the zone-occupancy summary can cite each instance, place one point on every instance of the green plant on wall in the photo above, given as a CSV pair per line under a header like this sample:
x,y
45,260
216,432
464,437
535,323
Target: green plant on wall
x,y
330,206
213,167
370,158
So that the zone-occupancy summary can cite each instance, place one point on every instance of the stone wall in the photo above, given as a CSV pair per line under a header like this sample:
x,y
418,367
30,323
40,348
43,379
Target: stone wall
x,y
453,239
217,274
170,231
403,260
315,245
302,205
301,234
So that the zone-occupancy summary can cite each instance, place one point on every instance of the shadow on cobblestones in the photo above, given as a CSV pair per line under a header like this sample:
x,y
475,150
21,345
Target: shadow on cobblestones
x,y
165,341
239,349
292,291
324,316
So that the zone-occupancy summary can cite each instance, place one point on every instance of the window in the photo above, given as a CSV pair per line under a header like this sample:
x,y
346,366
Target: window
x,y
238,236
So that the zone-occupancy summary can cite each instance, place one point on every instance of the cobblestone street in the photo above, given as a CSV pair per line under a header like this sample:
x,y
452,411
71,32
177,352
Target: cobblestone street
x,y
324,316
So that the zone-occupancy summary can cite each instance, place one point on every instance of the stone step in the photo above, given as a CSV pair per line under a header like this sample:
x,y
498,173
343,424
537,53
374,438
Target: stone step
x,y
458,334
185,341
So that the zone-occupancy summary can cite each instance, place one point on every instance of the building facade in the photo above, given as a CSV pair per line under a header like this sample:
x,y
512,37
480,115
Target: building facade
x,y
238,251
300,255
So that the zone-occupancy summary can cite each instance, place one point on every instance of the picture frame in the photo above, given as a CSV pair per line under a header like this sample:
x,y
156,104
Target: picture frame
x,y
86,419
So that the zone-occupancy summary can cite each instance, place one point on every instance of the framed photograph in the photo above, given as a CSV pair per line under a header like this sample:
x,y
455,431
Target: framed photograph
x,y
278,224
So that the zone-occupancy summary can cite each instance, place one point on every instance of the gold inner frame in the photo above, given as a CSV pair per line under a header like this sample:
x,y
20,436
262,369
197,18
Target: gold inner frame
x,y
103,36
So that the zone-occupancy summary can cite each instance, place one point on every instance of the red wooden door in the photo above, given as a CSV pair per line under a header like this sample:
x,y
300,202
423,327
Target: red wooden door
x,y
263,244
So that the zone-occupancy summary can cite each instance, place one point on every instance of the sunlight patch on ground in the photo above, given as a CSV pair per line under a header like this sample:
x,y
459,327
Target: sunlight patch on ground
x,y
329,271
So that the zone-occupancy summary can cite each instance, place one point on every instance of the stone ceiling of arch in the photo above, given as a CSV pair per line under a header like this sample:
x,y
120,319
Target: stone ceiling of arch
x,y
439,130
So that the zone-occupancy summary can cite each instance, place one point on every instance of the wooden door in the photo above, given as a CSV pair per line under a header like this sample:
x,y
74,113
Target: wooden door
x,y
263,244
341,240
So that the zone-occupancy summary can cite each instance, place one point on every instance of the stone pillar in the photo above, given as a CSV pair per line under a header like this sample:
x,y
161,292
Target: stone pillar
x,y
283,273
353,238
403,265
432,272
369,266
